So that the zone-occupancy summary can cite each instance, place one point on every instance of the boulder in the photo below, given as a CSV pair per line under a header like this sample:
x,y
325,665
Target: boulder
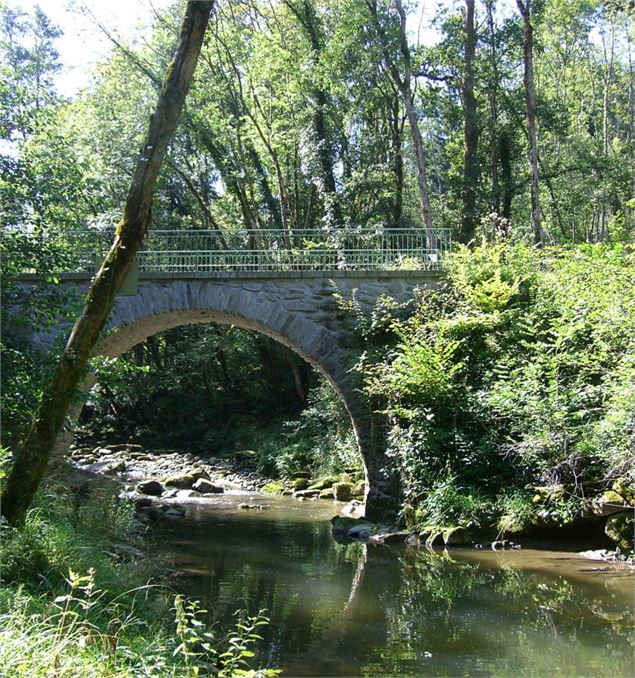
x,y
608,504
327,493
206,487
342,491
359,489
199,472
275,487
143,501
360,531
301,474
152,487
182,481
306,494
342,524
299,484
620,529
322,483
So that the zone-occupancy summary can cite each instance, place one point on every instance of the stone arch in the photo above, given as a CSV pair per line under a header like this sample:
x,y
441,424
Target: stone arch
x,y
276,313
314,344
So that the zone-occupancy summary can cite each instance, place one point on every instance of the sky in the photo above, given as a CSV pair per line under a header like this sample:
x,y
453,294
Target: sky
x,y
84,44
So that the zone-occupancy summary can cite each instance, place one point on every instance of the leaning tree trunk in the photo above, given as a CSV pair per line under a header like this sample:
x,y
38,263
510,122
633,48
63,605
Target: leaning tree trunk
x,y
470,134
530,115
32,458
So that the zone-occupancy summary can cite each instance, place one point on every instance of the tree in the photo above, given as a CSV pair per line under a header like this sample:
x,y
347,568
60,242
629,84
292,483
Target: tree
x,y
526,10
31,460
471,131
403,82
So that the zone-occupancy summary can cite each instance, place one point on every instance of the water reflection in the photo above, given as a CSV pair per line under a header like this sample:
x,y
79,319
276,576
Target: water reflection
x,y
352,609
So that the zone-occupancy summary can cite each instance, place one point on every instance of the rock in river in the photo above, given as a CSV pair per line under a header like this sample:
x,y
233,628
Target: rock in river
x,y
206,487
152,487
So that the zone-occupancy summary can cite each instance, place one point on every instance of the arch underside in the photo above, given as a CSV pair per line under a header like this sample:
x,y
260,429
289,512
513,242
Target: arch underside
x,y
324,355
306,332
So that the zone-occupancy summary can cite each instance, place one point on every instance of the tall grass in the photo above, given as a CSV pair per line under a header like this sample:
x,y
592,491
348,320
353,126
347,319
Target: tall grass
x,y
74,603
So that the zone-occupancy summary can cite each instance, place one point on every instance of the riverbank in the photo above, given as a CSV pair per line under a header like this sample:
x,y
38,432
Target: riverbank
x,y
86,592
162,482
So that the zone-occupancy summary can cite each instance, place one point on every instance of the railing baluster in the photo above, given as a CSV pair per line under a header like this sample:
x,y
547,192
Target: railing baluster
x,y
267,250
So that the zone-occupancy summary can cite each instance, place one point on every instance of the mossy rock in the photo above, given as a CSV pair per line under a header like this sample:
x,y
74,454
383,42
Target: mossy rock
x,y
342,491
346,478
299,484
246,455
276,487
548,493
326,494
359,489
322,483
182,481
619,528
626,490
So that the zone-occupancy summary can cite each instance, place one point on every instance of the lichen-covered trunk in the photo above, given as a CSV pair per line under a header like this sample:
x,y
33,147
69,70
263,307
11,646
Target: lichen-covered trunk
x,y
32,458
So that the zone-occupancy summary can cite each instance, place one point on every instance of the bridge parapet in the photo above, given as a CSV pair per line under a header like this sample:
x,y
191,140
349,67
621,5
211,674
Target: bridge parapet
x,y
260,250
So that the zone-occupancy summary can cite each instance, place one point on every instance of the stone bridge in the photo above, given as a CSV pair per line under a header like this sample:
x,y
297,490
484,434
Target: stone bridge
x,y
306,310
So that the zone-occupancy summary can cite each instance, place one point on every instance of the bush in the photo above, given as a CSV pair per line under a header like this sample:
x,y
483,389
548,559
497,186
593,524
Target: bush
x,y
519,376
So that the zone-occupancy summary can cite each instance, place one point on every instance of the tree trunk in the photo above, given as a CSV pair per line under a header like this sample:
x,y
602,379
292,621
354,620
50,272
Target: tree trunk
x,y
403,83
396,142
530,116
417,142
492,96
470,134
32,458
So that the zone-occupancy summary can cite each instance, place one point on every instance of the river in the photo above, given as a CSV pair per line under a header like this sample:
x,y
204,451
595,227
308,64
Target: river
x,y
349,609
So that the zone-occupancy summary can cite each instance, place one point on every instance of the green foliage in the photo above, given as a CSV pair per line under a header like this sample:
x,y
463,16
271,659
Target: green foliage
x,y
519,378
321,440
55,620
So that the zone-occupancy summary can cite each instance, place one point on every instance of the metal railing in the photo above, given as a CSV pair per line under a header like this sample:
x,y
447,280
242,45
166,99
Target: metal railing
x,y
265,250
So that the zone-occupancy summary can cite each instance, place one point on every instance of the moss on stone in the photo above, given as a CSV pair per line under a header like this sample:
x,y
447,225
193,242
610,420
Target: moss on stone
x,y
619,528
275,487
322,483
299,484
342,491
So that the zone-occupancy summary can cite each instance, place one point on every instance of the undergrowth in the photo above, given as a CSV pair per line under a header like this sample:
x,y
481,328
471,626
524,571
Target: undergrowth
x,y
79,599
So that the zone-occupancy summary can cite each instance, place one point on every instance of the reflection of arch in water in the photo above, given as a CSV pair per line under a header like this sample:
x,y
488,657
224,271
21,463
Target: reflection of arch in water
x,y
361,624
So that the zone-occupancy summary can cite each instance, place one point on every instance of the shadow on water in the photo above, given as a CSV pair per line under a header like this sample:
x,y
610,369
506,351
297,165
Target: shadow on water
x,y
352,609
